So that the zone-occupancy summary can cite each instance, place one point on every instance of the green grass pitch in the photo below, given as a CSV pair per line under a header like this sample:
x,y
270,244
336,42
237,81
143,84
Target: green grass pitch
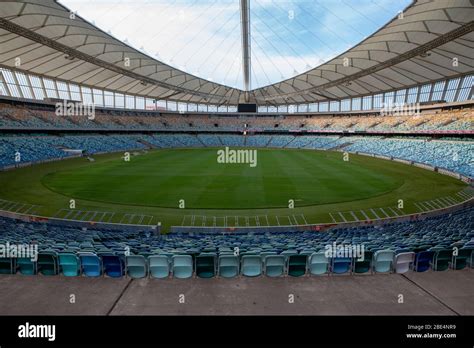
x,y
155,186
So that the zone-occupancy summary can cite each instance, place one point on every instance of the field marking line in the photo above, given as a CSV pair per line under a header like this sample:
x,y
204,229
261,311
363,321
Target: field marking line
x,y
419,207
111,216
383,211
393,211
365,215
278,221
9,206
442,204
236,219
445,202
430,205
463,195
79,212
69,213
373,211
83,217
436,204
31,207
57,213
354,215
268,223
93,216
192,220
141,219
424,206
257,221
451,199
332,217
150,219
122,219
203,221
247,221
104,214
342,216
182,222
214,221
304,219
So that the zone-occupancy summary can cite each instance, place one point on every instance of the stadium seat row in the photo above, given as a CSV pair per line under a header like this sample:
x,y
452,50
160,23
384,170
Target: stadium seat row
x,y
208,265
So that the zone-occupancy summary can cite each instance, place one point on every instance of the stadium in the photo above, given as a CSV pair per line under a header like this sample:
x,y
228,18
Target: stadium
x,y
317,149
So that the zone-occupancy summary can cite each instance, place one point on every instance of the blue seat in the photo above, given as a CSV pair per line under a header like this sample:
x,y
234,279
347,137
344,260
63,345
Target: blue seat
x,y
136,266
318,263
26,266
182,266
340,265
113,265
228,266
91,264
274,265
383,261
69,264
423,260
159,266
251,265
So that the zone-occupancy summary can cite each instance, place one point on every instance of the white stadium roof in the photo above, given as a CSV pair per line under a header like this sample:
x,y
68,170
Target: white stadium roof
x,y
432,40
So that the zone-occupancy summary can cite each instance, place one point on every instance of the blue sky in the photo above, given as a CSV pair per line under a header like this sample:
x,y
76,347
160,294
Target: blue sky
x,y
202,37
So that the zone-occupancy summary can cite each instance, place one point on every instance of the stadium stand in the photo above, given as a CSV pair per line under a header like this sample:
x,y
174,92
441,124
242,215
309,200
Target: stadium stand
x,y
416,245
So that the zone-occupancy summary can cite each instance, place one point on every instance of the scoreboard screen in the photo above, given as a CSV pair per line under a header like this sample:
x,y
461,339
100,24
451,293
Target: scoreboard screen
x,y
247,108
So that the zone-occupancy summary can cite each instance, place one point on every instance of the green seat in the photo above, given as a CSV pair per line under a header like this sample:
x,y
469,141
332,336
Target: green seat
x,y
463,258
364,265
228,266
47,263
7,265
26,266
318,263
297,265
442,259
206,265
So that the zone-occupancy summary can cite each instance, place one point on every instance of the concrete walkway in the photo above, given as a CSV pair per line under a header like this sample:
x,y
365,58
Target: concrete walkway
x,y
429,293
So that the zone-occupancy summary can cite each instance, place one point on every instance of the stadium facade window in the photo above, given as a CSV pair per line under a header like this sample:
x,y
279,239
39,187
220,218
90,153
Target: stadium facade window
x,y
367,102
345,105
86,95
212,108
466,88
425,93
334,105
283,108
108,99
272,109
451,90
400,96
171,106
182,107
232,108
262,109
389,97
313,107
63,90
37,87
323,107
11,83
3,87
356,104
140,103
378,101
202,107
412,95
303,108
129,101
119,100
161,105
24,85
98,97
438,90
51,91
150,104
222,108
75,92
